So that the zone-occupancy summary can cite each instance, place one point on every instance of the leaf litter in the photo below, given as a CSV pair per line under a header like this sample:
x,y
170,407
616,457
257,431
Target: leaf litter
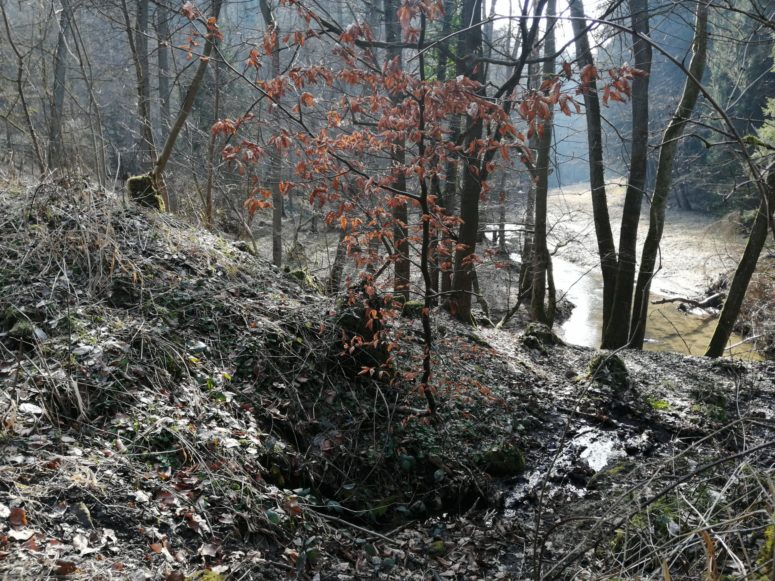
x,y
181,407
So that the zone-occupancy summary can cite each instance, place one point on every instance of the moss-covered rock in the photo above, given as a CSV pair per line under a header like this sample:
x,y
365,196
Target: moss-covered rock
x,y
142,191
306,279
539,336
767,553
609,369
505,461
412,309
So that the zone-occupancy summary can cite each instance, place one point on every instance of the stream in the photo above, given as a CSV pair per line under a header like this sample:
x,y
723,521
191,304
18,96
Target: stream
x,y
667,328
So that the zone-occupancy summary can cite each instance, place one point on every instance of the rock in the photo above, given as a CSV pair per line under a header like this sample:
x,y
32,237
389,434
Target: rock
x,y
412,309
142,192
609,369
539,336
503,461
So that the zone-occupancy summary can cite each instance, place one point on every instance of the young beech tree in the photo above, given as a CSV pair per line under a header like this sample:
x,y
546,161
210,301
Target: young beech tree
x,y
336,147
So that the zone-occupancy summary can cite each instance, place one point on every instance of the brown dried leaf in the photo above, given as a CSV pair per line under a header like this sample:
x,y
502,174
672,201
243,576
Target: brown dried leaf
x,y
64,568
18,517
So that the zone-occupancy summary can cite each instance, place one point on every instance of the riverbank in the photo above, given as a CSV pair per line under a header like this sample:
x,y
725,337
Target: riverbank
x,y
696,251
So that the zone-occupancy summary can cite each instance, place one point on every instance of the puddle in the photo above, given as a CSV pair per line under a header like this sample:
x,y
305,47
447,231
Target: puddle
x,y
594,448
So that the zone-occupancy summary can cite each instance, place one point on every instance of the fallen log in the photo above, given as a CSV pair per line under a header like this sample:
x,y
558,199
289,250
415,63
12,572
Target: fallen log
x,y
711,301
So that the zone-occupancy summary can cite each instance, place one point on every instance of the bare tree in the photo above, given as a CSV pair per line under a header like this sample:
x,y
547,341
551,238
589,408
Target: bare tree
x,y
541,257
664,177
20,83
273,29
617,331
56,154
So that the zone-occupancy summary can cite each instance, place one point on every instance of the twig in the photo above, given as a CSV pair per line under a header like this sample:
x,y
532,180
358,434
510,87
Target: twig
x,y
354,526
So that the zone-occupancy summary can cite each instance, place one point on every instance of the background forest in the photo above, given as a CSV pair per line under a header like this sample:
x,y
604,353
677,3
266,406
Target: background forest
x,y
365,117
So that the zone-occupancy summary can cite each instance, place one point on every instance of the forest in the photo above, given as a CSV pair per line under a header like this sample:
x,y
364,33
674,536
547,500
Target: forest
x,y
387,289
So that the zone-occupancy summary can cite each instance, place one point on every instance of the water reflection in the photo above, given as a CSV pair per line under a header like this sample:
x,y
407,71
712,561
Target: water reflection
x,y
667,328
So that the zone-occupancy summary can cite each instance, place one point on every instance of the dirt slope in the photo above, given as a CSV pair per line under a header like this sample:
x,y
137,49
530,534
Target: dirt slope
x,y
173,407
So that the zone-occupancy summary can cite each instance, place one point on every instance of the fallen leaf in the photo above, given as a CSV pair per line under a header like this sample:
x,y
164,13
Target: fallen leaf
x,y
20,535
18,517
31,544
30,408
209,550
81,542
64,568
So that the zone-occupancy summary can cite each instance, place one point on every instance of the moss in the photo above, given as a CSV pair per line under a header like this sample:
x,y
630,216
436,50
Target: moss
x,y
710,411
658,404
306,279
22,330
205,576
143,192
604,477
506,461
766,557
609,369
412,309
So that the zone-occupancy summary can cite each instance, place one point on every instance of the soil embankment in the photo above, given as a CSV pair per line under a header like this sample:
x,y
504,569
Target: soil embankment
x,y
173,407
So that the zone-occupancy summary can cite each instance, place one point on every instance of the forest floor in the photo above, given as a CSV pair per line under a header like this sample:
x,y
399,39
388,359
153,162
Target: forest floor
x,y
173,407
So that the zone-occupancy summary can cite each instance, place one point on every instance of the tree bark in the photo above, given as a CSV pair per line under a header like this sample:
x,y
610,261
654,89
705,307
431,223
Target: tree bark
x,y
538,309
605,239
617,332
401,267
209,207
460,305
162,29
274,155
138,45
664,176
56,154
744,271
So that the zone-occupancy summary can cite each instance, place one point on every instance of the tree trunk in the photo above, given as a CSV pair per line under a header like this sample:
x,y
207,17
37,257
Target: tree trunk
x,y
744,271
138,45
334,282
274,156
540,251
460,305
39,159
605,238
56,154
617,332
664,177
162,29
450,196
185,108
528,246
209,207
401,268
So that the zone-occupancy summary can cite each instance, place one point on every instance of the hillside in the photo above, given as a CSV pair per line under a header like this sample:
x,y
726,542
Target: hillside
x,y
174,407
